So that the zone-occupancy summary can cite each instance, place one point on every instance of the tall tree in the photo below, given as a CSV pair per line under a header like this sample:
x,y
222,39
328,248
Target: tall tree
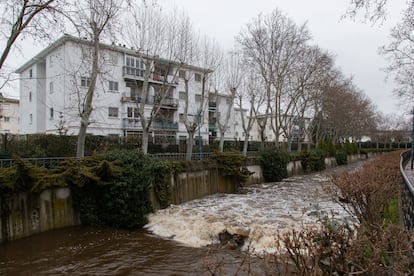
x,y
164,43
92,19
400,54
272,44
26,18
207,55
251,92
232,78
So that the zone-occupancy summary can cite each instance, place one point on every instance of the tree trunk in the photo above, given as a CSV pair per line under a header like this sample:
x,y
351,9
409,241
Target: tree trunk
x,y
190,143
144,145
87,108
245,145
221,143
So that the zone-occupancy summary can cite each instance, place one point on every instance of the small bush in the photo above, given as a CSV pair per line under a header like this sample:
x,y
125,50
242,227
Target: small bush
x,y
341,157
274,165
313,160
232,164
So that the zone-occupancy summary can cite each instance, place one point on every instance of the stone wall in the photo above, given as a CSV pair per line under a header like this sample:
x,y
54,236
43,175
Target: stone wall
x,y
25,213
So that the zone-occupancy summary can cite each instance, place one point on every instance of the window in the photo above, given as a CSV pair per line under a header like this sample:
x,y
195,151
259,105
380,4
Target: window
x,y
30,96
50,61
181,74
197,77
51,112
51,87
113,85
85,81
6,119
181,95
197,97
30,73
181,117
113,112
132,112
30,118
228,101
134,66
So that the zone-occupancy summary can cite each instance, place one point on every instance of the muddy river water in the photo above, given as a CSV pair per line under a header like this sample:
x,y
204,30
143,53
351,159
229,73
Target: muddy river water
x,y
180,240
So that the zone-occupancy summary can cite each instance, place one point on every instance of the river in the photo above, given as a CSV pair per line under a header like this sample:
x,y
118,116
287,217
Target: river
x,y
180,240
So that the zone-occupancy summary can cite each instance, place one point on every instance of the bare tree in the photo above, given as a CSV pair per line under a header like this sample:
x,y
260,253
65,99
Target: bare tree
x,y
232,78
207,55
373,10
26,19
308,72
156,35
92,19
272,45
251,91
400,54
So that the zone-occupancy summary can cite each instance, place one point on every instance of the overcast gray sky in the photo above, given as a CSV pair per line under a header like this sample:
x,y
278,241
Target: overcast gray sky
x,y
353,43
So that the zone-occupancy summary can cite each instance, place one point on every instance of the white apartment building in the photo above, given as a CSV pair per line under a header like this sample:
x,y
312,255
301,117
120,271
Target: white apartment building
x,y
296,128
54,82
9,115
218,107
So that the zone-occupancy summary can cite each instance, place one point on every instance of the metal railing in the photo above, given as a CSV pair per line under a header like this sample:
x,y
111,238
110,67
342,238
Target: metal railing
x,y
51,162
407,193
47,162
182,156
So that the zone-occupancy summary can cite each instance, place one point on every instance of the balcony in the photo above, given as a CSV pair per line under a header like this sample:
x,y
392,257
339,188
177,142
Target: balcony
x,y
212,106
138,74
131,123
133,73
167,102
212,127
165,125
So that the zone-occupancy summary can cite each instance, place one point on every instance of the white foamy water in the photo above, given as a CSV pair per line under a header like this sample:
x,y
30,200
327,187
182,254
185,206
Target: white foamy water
x,y
260,211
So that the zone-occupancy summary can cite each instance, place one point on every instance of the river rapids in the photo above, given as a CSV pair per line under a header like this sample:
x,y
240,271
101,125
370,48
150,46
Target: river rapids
x,y
259,212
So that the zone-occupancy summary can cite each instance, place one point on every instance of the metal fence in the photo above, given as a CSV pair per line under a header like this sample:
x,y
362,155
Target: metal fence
x,y
50,162
407,193
47,162
182,156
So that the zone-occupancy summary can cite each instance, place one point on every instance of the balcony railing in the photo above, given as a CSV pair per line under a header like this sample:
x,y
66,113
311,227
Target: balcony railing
x,y
165,125
137,73
131,123
133,72
166,102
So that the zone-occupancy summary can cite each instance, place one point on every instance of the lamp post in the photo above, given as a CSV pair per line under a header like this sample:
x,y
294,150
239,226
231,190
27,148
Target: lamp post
x,y
200,146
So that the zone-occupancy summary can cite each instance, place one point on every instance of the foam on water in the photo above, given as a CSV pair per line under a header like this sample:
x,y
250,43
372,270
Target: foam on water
x,y
260,211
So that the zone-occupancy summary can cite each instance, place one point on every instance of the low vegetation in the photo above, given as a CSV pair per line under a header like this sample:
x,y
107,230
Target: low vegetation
x,y
375,244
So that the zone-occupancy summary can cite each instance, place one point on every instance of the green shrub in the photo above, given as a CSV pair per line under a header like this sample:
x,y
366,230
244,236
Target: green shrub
x,y
351,148
313,160
341,157
274,164
328,147
125,201
232,164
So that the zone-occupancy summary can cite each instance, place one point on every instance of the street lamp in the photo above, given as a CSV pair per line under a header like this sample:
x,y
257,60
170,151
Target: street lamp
x,y
200,146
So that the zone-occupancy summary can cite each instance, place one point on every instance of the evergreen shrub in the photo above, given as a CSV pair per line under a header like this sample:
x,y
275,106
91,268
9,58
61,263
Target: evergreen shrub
x,y
341,157
274,164
313,160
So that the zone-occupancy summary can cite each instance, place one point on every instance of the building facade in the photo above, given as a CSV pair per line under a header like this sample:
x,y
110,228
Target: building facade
x,y
54,83
9,115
